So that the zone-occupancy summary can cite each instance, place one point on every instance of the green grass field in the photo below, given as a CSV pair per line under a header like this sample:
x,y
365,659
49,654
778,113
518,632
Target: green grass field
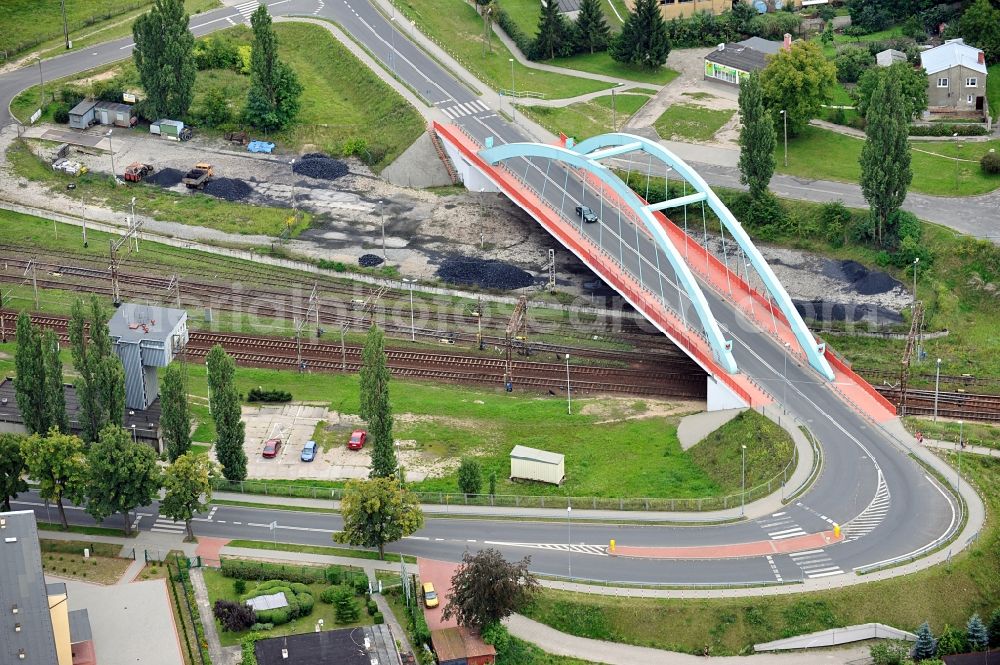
x,y
602,63
944,594
976,434
993,90
194,209
585,119
825,155
687,121
457,28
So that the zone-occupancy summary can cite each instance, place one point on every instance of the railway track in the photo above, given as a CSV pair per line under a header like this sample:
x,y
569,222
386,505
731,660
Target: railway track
x,y
460,368
960,406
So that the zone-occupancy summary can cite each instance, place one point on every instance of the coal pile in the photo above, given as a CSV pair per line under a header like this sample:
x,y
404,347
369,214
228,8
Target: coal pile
x,y
166,177
862,280
825,311
320,166
229,189
484,274
874,283
370,261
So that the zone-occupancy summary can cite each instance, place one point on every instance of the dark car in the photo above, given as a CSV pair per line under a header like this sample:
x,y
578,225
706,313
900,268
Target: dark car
x,y
271,447
308,452
357,441
586,213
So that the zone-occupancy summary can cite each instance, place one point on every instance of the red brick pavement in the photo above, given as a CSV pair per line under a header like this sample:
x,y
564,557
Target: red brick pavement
x,y
438,573
732,551
209,548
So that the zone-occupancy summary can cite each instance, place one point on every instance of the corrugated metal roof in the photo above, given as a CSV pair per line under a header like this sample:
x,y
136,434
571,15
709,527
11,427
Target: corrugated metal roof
x,y
271,601
458,643
115,106
952,53
536,455
83,107
739,57
134,323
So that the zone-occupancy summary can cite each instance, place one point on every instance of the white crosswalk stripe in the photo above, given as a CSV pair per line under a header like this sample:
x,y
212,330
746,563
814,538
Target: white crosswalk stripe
x,y
790,532
247,8
597,550
871,516
458,110
165,525
774,569
815,563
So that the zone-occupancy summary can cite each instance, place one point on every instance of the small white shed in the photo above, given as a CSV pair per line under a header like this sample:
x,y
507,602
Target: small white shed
x,y
533,464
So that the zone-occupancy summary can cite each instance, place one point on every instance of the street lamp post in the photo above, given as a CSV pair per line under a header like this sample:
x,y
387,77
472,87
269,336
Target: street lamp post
x,y
784,399
41,82
569,396
743,494
134,440
381,212
413,334
915,262
961,444
513,111
569,540
937,387
784,118
111,149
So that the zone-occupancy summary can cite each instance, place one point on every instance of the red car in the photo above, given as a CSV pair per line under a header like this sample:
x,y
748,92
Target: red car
x,y
271,447
357,441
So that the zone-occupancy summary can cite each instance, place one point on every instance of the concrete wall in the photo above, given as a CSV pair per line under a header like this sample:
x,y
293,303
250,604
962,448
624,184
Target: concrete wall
x,y
956,94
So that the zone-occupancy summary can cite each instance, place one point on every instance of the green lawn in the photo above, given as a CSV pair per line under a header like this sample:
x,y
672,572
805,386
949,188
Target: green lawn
x,y
942,594
688,121
602,63
843,40
316,549
25,24
585,119
221,587
458,29
195,209
825,155
993,90
976,434
769,449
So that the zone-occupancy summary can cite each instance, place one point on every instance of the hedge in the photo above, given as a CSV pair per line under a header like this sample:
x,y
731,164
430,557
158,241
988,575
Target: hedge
x,y
298,595
257,570
507,24
947,130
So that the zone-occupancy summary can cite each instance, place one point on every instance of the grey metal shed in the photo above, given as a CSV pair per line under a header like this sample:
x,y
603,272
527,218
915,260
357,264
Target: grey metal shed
x,y
82,115
533,464
113,113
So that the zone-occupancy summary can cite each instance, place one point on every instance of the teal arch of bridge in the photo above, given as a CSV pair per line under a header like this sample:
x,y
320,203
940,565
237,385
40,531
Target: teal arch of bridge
x,y
587,155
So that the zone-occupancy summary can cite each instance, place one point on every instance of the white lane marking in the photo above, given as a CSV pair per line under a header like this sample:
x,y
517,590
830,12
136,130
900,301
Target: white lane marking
x,y
127,46
777,514
871,516
415,538
597,550
789,535
832,572
775,534
795,554
774,569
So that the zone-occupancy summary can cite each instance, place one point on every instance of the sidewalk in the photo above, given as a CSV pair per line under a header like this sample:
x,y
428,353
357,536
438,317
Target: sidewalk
x,y
952,446
555,642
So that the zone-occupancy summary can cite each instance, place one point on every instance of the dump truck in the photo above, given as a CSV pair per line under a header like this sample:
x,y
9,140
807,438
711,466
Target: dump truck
x,y
198,177
136,171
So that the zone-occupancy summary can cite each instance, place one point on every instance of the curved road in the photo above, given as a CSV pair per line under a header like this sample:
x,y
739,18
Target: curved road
x,y
901,508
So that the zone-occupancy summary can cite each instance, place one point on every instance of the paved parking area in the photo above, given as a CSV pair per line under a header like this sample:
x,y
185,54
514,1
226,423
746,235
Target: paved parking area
x,y
131,623
438,573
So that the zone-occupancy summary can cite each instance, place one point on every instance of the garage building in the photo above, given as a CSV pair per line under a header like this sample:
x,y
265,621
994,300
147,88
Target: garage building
x,y
533,464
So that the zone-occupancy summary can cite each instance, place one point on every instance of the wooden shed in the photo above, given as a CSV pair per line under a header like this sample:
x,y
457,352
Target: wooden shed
x,y
461,646
533,464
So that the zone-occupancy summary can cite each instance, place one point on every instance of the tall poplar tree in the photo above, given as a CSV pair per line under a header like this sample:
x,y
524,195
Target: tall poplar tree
x,y
885,157
29,383
230,430
643,41
592,32
55,396
175,420
164,58
100,382
273,97
375,405
757,137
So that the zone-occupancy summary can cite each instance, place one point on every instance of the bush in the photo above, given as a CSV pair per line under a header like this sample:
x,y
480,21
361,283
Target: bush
x,y
507,24
239,587
774,25
890,653
212,53
470,476
851,62
360,583
275,617
260,395
952,641
345,607
257,570
333,574
336,266
233,616
329,594
61,113
372,608
378,618
298,595
356,147
990,163
947,130
764,215
261,626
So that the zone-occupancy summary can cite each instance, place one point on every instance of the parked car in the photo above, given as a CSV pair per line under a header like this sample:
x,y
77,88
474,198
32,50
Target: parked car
x,y
430,595
586,213
271,447
358,438
308,452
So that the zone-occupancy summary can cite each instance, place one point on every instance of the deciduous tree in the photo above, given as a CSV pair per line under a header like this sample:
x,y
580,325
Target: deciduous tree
x,y
592,32
225,404
913,84
122,476
175,421
993,630
980,27
757,137
164,58
29,382
188,485
643,41
12,468
55,396
470,476
375,405
273,98
798,81
487,588
885,157
376,512
56,461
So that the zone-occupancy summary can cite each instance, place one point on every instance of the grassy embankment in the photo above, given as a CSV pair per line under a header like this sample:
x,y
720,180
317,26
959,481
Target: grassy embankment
x,y
691,122
944,594
585,119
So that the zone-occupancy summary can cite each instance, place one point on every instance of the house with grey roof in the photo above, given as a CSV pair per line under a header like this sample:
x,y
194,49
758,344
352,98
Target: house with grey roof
x,y
35,621
729,63
956,78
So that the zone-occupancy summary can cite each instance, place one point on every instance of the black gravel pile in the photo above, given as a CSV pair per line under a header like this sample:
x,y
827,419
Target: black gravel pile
x,y
370,261
862,280
229,189
318,165
166,177
874,283
827,311
484,274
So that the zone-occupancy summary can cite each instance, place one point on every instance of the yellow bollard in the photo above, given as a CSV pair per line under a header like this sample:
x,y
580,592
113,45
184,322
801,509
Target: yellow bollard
x,y
836,530
612,546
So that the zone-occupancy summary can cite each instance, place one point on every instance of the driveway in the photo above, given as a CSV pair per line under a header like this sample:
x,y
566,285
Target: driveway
x,y
439,573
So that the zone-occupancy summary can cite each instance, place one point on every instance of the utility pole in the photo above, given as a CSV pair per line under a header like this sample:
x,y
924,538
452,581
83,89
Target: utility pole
x,y
34,279
62,5
300,323
784,117
569,393
41,82
3,321
614,112
413,333
116,245
343,349
381,212
479,323
937,387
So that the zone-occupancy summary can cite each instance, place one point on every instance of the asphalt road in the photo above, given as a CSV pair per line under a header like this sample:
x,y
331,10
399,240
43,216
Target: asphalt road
x,y
908,509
